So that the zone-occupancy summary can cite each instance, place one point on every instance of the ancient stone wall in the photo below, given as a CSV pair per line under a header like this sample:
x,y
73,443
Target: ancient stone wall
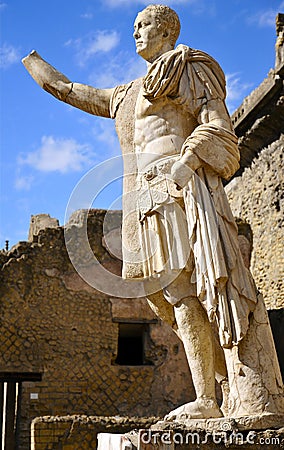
x,y
57,327
256,194
258,197
60,337
80,432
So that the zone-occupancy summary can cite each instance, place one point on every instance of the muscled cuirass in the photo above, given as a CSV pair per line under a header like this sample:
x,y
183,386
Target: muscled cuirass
x,y
161,127
156,127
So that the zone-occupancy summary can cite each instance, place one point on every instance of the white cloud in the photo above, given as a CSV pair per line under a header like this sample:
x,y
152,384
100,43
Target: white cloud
x,y
23,182
87,16
119,70
58,155
104,132
266,18
236,90
102,41
9,55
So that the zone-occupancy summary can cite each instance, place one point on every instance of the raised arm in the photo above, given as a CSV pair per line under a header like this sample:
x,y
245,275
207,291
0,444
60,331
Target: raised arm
x,y
89,99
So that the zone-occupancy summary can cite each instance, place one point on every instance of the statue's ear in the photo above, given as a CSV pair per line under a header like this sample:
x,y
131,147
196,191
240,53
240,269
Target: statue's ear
x,y
165,33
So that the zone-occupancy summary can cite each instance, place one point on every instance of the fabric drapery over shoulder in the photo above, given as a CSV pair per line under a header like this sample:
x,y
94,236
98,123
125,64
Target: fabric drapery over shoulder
x,y
193,78
164,75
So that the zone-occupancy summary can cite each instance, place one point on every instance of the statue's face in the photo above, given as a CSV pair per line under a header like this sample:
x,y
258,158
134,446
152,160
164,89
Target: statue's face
x,y
149,38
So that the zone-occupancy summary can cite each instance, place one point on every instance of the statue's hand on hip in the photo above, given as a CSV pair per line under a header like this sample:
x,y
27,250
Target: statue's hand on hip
x,y
183,169
181,174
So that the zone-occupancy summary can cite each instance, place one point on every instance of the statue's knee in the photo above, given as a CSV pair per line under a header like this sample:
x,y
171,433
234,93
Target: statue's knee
x,y
161,308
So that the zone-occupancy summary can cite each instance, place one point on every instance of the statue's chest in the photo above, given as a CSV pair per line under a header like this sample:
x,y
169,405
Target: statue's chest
x,y
145,108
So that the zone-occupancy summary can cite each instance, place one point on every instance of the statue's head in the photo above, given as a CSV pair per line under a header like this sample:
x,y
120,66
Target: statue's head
x,y
156,30
167,19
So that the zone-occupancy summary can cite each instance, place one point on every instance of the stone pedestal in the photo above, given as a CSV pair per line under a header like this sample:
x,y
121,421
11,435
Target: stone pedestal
x,y
204,440
246,433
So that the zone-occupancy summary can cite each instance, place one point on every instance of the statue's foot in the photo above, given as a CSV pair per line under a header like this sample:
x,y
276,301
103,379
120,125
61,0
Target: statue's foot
x,y
201,408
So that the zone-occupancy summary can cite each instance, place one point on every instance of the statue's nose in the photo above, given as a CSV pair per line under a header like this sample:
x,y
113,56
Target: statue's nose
x,y
136,34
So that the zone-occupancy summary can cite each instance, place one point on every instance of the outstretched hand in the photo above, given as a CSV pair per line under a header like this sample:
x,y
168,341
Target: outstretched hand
x,y
47,76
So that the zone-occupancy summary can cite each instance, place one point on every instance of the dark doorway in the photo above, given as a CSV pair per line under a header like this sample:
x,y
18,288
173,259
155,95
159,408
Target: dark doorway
x,y
131,344
10,406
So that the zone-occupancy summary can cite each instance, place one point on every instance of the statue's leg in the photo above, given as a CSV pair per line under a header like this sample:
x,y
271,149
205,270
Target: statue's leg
x,y
196,334
162,309
189,320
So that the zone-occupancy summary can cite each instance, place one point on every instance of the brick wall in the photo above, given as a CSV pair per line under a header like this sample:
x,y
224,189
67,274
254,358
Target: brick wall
x,y
56,325
258,197
79,432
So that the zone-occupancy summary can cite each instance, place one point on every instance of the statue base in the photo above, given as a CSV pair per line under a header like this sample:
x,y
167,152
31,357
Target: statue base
x,y
244,433
244,423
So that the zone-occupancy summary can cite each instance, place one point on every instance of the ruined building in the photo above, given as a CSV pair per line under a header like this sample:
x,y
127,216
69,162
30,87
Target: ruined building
x,y
71,355
256,193
71,349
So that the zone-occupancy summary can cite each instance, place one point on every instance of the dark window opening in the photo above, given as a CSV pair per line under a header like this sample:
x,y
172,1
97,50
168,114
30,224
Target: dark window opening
x,y
10,406
132,339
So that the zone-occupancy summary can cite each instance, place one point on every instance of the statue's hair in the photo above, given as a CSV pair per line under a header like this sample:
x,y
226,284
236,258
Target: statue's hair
x,y
166,18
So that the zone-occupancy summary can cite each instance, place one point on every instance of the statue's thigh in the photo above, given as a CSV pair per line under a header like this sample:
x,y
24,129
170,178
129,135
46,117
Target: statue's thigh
x,y
161,307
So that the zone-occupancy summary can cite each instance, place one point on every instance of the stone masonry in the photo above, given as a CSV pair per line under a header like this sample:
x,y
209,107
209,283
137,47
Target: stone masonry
x,y
256,193
58,329
56,326
258,197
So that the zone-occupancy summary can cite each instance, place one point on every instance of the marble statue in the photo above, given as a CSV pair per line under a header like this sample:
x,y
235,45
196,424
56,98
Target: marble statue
x,y
179,235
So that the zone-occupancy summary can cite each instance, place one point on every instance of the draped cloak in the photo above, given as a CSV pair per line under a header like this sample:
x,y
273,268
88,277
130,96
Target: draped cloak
x,y
225,287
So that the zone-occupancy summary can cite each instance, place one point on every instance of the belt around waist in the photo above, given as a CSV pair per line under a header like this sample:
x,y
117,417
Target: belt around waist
x,y
162,166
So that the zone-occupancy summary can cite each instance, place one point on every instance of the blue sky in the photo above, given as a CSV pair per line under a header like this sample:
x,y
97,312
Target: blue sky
x,y
48,147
